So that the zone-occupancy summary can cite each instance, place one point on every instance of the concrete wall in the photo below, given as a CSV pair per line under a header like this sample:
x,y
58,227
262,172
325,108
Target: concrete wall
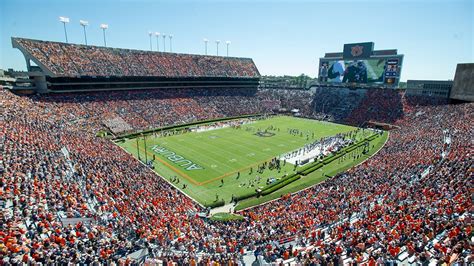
x,y
463,87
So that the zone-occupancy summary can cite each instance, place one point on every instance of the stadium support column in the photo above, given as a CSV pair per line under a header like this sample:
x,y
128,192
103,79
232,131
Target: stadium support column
x,y
40,84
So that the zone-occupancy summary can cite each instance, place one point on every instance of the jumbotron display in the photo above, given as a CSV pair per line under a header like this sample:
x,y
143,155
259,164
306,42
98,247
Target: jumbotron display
x,y
360,64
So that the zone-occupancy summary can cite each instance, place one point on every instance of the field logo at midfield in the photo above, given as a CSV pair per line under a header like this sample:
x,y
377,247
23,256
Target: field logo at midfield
x,y
176,159
265,134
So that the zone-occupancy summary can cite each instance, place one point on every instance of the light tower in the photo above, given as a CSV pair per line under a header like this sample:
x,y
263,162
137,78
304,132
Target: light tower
x,y
227,43
205,45
64,20
171,43
104,27
164,42
217,46
150,34
84,24
157,34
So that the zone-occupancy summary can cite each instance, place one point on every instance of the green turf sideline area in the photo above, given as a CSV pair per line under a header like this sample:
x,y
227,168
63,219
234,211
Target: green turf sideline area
x,y
225,217
206,165
318,176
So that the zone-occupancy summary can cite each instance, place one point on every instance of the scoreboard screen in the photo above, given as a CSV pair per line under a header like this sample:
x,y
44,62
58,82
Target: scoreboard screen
x,y
367,71
360,63
392,71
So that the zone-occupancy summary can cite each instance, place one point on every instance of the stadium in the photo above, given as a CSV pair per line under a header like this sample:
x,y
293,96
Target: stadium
x,y
127,157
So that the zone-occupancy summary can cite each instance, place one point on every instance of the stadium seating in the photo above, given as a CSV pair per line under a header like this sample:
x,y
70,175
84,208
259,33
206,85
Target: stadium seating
x,y
157,108
336,104
387,203
72,60
408,203
378,105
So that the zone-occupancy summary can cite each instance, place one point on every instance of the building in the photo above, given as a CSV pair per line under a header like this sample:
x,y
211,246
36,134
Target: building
x,y
463,87
430,88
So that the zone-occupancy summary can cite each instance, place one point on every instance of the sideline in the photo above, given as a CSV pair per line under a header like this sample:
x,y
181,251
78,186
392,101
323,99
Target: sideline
x,y
266,202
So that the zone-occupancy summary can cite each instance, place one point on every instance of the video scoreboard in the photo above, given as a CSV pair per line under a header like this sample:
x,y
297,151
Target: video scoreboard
x,y
359,63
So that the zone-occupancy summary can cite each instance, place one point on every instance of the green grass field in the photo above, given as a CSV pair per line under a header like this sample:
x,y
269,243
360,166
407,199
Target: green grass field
x,y
208,162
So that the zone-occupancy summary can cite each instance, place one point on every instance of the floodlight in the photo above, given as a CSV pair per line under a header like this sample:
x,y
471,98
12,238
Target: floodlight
x,y
64,19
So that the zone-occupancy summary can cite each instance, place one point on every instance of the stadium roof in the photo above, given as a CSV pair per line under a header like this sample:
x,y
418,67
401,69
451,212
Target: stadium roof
x,y
58,59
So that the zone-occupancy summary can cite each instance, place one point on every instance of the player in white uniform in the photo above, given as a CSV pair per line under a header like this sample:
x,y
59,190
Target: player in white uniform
x,y
337,71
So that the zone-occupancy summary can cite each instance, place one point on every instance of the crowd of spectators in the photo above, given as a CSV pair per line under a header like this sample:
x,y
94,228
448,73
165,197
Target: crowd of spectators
x,y
72,60
39,186
345,105
335,104
288,99
147,109
385,207
117,125
379,211
379,105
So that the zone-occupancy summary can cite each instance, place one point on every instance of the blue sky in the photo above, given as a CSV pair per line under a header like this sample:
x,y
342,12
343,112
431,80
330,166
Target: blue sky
x,y
283,37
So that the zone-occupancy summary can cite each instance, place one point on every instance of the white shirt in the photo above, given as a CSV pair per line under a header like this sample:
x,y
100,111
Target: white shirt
x,y
338,67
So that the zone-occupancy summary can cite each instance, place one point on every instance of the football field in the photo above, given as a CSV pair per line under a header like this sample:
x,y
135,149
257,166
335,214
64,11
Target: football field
x,y
220,163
